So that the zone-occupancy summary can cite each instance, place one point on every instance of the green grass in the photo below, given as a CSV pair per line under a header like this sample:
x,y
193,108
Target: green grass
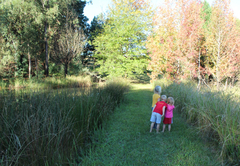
x,y
46,83
53,127
125,138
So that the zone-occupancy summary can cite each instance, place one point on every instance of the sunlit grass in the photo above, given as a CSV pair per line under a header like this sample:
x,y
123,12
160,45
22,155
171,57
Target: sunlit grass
x,y
47,83
215,113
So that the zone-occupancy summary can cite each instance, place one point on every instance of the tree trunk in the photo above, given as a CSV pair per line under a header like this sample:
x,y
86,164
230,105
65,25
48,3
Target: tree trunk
x,y
226,83
21,64
218,62
233,80
218,75
199,76
46,49
36,64
65,69
29,64
46,42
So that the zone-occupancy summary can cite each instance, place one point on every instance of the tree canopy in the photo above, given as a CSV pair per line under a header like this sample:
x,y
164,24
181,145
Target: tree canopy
x,y
179,39
120,48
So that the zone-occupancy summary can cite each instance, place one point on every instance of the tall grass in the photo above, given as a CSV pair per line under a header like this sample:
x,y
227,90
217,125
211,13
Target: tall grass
x,y
46,83
215,113
53,127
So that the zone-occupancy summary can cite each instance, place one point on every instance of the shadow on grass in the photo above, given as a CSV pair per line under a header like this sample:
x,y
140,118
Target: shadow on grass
x,y
141,78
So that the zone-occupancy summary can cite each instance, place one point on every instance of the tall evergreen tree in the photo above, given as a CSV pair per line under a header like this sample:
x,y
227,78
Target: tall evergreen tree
x,y
206,14
96,27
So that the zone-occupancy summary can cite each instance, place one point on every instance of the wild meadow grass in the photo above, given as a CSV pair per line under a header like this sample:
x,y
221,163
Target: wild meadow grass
x,y
53,127
124,138
46,83
216,114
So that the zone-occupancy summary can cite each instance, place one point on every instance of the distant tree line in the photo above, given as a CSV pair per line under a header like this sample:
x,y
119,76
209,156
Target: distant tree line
x,y
179,39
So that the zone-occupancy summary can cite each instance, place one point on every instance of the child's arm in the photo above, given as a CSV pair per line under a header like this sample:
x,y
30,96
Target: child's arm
x,y
153,108
163,110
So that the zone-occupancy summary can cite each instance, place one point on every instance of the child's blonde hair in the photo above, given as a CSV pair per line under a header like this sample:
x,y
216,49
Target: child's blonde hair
x,y
163,97
170,100
157,89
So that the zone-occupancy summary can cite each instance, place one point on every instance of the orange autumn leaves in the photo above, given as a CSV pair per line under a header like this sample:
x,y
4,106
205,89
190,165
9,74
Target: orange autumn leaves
x,y
182,47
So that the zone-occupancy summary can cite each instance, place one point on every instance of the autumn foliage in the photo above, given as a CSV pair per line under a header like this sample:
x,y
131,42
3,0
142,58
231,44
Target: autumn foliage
x,y
186,45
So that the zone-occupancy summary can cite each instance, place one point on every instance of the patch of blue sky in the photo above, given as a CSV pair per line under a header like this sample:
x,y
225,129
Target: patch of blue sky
x,y
101,6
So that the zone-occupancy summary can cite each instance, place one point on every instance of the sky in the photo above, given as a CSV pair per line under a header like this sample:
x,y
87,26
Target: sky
x,y
100,6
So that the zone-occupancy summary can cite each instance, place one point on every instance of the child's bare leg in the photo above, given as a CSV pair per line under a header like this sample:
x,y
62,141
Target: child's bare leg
x,y
158,125
163,127
151,127
169,127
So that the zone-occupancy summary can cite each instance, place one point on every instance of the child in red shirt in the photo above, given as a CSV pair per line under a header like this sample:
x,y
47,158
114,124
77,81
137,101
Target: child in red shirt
x,y
158,112
169,114
155,97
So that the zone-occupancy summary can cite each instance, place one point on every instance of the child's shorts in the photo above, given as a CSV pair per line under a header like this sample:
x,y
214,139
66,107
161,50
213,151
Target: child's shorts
x,y
156,117
167,121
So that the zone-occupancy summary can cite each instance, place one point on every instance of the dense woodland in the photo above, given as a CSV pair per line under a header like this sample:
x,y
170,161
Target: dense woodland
x,y
179,39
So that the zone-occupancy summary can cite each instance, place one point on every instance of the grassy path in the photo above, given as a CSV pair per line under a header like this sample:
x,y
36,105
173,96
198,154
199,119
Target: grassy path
x,y
125,138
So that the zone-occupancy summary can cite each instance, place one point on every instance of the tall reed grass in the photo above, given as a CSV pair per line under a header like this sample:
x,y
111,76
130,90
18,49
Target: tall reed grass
x,y
46,83
215,113
49,128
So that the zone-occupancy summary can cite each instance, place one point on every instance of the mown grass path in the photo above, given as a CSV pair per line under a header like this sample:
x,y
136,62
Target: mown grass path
x,y
125,138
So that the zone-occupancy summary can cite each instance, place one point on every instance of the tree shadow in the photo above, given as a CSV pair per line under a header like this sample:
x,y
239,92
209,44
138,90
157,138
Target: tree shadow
x,y
141,78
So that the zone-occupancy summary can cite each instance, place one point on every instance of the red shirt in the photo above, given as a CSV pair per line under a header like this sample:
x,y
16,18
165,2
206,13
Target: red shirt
x,y
159,107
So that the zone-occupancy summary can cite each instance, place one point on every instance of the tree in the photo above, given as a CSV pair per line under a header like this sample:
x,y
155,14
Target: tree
x,y
18,18
120,47
69,42
22,30
28,30
190,35
78,7
161,43
6,59
49,10
238,25
206,14
222,42
174,45
68,46
96,27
